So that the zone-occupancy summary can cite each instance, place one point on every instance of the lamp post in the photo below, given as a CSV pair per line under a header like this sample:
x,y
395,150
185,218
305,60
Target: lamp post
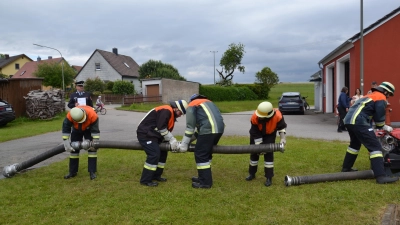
x,y
62,63
214,64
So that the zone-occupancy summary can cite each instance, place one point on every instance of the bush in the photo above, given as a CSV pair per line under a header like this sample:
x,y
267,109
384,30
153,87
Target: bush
x,y
123,87
109,85
232,93
262,91
96,84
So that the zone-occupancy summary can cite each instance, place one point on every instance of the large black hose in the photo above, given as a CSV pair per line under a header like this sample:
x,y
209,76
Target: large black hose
x,y
366,174
11,170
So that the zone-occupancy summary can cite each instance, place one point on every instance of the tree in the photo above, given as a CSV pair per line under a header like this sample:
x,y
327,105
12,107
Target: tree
x,y
96,84
267,77
231,60
52,74
123,87
3,75
153,68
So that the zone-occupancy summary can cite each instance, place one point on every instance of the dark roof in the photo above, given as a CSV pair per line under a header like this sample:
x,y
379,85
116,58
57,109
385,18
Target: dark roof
x,y
4,62
76,68
123,64
365,30
27,70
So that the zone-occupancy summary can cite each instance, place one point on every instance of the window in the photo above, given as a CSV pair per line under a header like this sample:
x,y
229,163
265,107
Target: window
x,y
17,66
97,66
126,64
23,73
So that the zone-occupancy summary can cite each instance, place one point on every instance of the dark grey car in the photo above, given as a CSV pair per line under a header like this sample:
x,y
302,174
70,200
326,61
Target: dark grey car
x,y
291,102
7,113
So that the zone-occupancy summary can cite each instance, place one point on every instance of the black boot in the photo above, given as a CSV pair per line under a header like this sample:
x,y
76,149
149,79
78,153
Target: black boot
x,y
198,185
195,179
157,175
251,177
348,162
268,182
92,175
205,177
70,175
147,177
73,168
386,179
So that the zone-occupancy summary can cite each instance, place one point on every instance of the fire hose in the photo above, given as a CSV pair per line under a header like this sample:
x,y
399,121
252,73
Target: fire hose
x,y
366,174
10,170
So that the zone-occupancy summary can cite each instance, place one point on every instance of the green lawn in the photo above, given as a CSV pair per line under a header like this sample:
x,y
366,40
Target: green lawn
x,y
42,196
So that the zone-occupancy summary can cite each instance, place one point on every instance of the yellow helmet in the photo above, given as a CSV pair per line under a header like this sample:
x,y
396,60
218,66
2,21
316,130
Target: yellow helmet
x,y
265,110
78,114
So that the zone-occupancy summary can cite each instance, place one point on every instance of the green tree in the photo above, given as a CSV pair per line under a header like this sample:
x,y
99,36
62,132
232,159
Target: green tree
x,y
153,68
3,75
267,77
123,87
52,74
230,61
96,84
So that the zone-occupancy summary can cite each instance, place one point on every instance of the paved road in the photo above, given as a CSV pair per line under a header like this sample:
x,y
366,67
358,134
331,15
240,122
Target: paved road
x,y
119,125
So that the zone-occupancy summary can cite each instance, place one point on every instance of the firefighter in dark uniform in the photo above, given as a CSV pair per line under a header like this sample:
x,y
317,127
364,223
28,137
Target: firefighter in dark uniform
x,y
84,123
80,97
357,122
203,118
265,123
154,128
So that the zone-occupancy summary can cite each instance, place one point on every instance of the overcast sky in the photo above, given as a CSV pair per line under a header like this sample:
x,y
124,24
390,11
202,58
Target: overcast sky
x,y
289,36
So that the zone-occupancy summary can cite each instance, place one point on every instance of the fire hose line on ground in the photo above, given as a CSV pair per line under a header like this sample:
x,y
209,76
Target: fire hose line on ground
x,y
10,170
366,174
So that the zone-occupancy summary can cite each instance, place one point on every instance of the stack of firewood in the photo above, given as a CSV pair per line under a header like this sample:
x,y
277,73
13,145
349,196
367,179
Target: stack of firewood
x,y
44,104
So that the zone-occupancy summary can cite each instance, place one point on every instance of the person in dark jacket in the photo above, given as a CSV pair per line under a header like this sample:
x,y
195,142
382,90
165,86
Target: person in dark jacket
x,y
80,97
343,107
357,122
204,122
84,123
265,123
154,128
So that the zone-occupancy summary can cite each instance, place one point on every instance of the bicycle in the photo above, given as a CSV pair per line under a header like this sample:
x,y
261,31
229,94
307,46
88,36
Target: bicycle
x,y
306,105
101,109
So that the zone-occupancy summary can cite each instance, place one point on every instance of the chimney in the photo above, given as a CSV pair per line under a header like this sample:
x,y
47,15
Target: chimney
x,y
38,58
115,51
7,56
50,57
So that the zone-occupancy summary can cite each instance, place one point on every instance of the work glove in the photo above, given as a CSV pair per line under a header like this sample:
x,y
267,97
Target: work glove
x,y
184,145
173,144
387,128
67,146
168,136
283,138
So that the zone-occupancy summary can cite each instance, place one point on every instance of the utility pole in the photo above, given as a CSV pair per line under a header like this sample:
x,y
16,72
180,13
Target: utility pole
x,y
361,48
214,64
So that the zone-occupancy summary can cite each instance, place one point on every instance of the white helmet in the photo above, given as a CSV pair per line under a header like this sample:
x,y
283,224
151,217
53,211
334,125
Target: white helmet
x,y
99,96
78,114
180,104
388,87
265,110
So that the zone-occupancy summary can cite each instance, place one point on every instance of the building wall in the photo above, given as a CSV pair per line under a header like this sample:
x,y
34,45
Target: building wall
x,y
106,72
176,89
381,63
10,68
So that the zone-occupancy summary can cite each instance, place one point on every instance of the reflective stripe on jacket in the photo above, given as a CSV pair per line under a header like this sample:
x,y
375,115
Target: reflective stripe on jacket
x,y
371,106
204,115
155,121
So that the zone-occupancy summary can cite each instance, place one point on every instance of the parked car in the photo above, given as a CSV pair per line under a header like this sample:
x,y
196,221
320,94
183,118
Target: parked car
x,y
291,102
7,113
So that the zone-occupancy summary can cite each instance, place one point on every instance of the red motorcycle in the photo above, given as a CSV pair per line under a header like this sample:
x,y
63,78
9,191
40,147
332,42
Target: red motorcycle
x,y
391,151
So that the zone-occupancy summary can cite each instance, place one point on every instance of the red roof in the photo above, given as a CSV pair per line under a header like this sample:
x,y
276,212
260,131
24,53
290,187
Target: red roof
x,y
27,70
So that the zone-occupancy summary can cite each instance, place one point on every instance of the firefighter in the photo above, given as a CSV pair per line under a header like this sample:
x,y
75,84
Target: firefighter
x,y
84,123
154,128
80,97
203,115
357,122
265,123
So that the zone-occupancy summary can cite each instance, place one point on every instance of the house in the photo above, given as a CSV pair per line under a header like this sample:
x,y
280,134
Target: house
x,y
317,79
29,68
111,66
76,68
381,55
9,65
